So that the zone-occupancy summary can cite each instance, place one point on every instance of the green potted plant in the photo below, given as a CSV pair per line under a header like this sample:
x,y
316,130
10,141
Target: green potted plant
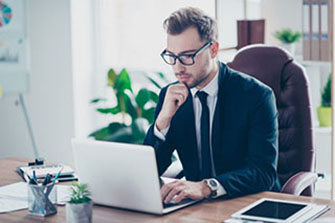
x,y
288,38
138,106
79,208
325,111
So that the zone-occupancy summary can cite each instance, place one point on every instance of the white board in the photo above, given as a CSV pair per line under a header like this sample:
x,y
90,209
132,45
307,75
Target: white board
x,y
13,46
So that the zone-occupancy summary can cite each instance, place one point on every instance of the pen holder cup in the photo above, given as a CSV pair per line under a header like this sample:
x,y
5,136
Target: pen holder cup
x,y
42,200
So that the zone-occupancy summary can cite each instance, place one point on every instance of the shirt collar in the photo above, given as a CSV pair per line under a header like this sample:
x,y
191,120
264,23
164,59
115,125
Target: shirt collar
x,y
211,88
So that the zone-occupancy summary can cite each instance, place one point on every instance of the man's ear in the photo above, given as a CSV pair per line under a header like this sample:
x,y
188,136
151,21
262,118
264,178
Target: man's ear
x,y
214,49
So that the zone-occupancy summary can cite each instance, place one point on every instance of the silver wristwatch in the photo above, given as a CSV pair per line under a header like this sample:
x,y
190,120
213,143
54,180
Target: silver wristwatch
x,y
213,186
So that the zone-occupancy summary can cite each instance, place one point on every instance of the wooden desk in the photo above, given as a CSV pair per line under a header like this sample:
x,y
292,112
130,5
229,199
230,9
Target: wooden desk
x,y
214,211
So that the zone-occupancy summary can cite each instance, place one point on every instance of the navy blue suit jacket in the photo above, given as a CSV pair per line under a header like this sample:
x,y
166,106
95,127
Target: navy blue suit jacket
x,y
244,136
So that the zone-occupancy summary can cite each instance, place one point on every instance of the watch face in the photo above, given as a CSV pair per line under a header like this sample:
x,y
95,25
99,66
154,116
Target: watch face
x,y
213,183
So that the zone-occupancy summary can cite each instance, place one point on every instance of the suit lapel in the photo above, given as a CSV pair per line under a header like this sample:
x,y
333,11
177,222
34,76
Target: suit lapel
x,y
217,131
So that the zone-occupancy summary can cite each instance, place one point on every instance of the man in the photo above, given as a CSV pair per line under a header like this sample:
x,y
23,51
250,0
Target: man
x,y
222,123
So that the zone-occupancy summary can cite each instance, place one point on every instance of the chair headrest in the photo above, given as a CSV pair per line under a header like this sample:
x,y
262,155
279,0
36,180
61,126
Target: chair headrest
x,y
264,62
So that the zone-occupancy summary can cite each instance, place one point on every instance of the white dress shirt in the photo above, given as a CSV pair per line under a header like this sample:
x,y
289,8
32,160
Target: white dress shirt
x,y
211,89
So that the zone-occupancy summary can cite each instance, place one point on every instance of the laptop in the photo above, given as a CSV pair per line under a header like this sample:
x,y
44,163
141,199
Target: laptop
x,y
122,175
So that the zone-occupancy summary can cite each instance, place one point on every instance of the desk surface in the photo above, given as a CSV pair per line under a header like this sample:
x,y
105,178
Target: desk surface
x,y
213,211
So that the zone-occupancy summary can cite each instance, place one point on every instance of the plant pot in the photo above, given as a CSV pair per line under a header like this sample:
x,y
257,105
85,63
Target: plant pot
x,y
325,116
290,47
79,213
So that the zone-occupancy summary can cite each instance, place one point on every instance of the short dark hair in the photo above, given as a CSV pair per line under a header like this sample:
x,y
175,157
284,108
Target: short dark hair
x,y
188,17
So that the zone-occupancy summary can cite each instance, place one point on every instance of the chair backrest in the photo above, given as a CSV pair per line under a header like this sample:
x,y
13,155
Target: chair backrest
x,y
277,69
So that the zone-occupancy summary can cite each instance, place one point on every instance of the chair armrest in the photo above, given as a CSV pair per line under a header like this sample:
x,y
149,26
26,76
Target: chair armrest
x,y
299,182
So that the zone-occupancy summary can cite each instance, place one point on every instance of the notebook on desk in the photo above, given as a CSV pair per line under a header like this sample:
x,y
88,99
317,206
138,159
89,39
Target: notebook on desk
x,y
121,175
41,171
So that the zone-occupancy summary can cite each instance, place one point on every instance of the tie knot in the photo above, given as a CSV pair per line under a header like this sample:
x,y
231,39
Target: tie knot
x,y
203,97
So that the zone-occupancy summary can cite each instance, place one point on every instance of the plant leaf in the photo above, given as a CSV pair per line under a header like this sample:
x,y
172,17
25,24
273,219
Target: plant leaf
x,y
80,193
130,104
115,126
120,97
103,133
142,97
113,110
161,75
326,93
154,82
123,81
154,97
123,134
111,77
149,115
100,134
98,100
145,95
122,84
288,36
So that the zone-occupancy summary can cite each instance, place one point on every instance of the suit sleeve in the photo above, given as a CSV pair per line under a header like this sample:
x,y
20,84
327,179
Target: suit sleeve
x,y
259,172
163,148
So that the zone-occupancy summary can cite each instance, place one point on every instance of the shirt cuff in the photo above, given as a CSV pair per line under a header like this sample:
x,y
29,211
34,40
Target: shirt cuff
x,y
221,191
161,134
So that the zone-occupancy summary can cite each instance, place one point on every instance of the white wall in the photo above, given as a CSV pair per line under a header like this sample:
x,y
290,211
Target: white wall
x,y
84,65
132,31
281,14
49,100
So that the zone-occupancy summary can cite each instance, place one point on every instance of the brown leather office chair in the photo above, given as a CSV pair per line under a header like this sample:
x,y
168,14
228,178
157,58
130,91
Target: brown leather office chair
x,y
277,69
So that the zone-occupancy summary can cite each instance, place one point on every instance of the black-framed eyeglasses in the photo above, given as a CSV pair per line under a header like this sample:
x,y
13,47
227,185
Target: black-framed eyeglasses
x,y
186,59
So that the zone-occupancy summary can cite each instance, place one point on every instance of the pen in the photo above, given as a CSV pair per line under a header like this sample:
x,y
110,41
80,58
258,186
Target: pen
x,y
34,175
57,175
26,177
49,184
46,179
33,181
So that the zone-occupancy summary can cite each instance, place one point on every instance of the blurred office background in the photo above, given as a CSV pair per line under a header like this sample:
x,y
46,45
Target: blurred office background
x,y
71,44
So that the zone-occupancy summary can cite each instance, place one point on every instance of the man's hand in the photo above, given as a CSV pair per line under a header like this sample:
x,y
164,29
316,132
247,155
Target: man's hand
x,y
184,189
175,96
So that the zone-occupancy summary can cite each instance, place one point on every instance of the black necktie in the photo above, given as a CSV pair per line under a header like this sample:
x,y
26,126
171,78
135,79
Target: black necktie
x,y
206,170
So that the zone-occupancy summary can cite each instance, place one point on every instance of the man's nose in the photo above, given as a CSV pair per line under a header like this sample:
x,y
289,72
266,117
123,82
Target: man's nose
x,y
179,67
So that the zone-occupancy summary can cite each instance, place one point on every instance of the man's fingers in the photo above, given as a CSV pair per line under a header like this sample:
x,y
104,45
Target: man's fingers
x,y
166,188
180,88
181,189
180,196
180,98
176,190
178,93
183,90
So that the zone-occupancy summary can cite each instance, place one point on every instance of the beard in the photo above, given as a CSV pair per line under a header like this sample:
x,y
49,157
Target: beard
x,y
193,80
